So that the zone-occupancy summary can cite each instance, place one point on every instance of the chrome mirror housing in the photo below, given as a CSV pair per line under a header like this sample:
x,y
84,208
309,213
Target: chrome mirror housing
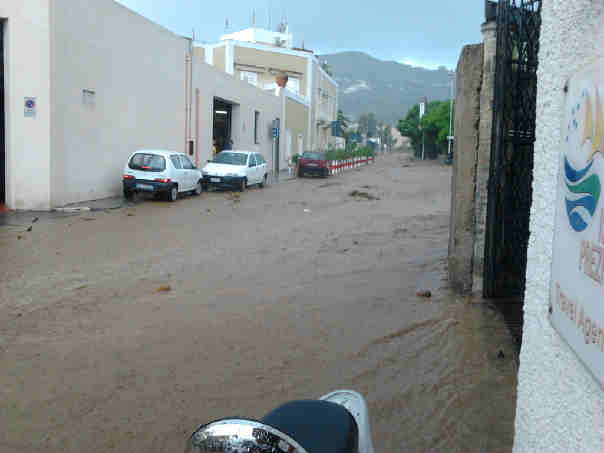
x,y
241,436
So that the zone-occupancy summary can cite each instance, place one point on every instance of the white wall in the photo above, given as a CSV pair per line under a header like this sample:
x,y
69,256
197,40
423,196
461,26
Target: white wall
x,y
560,406
27,63
137,70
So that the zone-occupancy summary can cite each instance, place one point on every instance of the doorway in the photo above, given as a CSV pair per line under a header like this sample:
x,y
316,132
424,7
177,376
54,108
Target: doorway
x,y
2,122
222,114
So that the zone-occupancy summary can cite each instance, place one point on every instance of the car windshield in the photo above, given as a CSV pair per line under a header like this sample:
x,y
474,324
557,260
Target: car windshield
x,y
314,156
230,158
147,162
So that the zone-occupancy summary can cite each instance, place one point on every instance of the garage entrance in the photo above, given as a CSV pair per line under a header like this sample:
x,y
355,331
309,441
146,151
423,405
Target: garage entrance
x,y
2,122
223,114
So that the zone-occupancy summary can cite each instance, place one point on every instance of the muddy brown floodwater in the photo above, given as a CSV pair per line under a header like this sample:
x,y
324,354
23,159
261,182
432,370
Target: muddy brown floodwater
x,y
124,330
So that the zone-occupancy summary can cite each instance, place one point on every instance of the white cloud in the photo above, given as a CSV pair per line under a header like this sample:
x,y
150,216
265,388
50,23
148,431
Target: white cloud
x,y
422,64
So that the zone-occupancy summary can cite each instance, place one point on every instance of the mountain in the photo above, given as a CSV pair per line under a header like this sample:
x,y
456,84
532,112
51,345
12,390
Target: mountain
x,y
387,88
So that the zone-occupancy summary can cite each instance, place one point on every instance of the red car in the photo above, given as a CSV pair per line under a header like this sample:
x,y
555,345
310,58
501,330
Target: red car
x,y
313,163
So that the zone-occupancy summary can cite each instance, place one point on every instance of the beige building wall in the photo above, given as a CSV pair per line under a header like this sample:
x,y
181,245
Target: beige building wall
x,y
296,125
199,52
27,73
220,58
266,64
137,76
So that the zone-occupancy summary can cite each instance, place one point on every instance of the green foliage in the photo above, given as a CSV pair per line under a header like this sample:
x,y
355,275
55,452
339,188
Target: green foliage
x,y
434,126
343,155
344,120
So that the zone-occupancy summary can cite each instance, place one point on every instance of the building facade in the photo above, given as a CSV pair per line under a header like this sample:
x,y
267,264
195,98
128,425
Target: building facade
x,y
560,396
78,99
256,56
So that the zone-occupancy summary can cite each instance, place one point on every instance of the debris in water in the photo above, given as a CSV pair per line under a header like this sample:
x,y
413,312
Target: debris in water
x,y
163,289
130,214
500,355
30,228
424,293
35,220
365,195
308,211
19,237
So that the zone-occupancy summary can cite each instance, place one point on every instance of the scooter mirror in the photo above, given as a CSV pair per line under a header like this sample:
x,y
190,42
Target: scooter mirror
x,y
241,436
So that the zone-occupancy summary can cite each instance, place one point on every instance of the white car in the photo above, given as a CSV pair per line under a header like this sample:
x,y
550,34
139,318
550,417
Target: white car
x,y
161,172
236,169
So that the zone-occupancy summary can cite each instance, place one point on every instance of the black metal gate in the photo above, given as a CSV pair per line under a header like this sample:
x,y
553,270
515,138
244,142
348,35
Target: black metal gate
x,y
2,120
511,168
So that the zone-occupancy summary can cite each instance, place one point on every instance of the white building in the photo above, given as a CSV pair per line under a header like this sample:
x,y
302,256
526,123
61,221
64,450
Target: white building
x,y
560,394
88,82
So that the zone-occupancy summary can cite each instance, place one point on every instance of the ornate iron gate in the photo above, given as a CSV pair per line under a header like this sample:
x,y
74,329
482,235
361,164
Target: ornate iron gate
x,y
2,120
511,167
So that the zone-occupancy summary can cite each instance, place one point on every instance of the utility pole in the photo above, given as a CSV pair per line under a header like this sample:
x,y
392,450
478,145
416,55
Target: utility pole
x,y
450,137
422,111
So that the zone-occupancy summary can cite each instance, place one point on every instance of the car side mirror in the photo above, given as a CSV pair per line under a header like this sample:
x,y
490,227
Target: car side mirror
x,y
209,160
250,165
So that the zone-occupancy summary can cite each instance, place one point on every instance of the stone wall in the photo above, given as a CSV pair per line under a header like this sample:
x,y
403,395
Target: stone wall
x,y
472,151
487,94
467,119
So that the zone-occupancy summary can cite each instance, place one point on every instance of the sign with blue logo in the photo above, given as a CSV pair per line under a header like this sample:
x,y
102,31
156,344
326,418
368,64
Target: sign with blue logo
x,y
275,132
29,107
577,286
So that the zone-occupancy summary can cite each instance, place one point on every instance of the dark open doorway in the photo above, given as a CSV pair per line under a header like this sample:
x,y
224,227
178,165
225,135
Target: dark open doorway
x,y
2,121
223,113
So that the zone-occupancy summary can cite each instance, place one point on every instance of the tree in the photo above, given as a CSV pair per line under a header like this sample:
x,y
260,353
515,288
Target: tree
x,y
344,121
409,127
434,127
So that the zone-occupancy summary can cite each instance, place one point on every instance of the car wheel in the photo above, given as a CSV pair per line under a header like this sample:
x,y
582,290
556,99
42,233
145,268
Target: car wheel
x,y
243,185
198,188
173,193
264,180
130,195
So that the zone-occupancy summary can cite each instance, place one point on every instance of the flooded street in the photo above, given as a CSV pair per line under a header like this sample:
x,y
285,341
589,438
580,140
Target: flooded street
x,y
123,330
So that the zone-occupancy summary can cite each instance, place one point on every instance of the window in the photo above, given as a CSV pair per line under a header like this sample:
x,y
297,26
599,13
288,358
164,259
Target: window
x,y
256,125
226,157
147,162
260,159
293,85
250,77
176,161
186,163
252,162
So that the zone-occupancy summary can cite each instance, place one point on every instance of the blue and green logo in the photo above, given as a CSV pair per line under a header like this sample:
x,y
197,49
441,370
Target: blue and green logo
x,y
583,186
582,196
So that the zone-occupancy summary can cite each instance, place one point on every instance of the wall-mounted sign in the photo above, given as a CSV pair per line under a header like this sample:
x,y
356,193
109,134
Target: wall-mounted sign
x,y
577,287
89,98
30,107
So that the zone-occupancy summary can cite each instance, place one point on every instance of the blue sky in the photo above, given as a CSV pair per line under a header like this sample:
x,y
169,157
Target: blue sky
x,y
425,33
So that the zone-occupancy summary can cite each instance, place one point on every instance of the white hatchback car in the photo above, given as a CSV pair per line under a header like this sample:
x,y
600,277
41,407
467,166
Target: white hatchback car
x,y
161,172
236,169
